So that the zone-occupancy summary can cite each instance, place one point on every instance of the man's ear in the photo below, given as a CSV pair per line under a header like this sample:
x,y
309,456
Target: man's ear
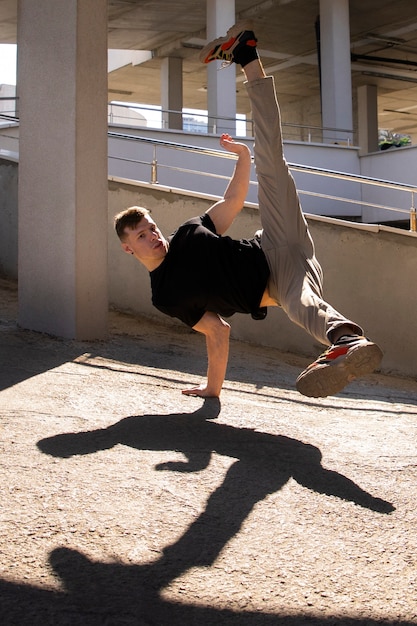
x,y
126,248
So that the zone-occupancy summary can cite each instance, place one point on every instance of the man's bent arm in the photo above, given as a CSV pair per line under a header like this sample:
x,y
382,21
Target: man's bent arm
x,y
217,333
224,212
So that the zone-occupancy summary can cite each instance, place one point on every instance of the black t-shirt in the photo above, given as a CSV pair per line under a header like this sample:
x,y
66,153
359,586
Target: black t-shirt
x,y
203,271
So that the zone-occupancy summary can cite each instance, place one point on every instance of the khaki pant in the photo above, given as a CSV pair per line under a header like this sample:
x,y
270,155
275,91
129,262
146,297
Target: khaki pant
x,y
296,282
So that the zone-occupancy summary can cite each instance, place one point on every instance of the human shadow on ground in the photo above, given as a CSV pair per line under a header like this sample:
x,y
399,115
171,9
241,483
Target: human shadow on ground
x,y
102,594
264,463
109,594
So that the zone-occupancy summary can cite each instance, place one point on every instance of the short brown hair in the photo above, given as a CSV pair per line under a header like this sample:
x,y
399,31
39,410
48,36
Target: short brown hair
x,y
129,218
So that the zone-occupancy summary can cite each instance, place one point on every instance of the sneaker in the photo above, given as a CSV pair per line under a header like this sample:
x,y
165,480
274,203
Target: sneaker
x,y
351,356
239,46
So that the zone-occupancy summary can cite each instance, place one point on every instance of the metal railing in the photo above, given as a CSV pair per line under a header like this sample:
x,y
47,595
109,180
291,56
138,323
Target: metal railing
x,y
154,166
238,127
243,127
364,180
8,117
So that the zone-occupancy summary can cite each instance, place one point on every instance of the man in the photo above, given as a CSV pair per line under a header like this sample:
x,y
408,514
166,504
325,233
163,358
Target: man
x,y
198,275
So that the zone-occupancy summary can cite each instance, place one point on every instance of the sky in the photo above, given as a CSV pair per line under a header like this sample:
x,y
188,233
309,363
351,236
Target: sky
x,y
7,64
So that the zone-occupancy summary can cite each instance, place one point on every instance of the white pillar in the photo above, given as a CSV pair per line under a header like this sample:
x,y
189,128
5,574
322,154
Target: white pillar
x,y
62,76
221,84
171,92
336,80
368,118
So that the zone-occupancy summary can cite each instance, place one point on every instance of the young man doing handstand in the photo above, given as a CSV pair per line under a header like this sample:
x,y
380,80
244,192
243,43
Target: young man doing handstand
x,y
200,276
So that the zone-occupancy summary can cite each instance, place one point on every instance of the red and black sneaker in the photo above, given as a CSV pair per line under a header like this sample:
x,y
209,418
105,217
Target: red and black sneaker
x,y
350,357
239,46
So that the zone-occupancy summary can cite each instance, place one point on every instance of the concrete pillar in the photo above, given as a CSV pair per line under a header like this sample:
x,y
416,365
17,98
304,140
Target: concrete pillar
x,y
336,80
171,92
221,85
368,118
62,77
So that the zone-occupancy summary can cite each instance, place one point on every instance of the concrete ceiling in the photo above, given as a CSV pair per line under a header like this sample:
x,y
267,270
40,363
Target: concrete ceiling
x,y
383,29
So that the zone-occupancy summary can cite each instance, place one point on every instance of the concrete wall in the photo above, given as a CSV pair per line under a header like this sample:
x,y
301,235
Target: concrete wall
x,y
8,218
369,275
369,270
9,137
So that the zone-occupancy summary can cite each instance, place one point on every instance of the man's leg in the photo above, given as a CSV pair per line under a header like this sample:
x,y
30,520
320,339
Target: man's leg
x,y
296,274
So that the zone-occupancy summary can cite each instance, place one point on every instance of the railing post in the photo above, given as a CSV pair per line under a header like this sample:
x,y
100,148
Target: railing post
x,y
413,216
154,168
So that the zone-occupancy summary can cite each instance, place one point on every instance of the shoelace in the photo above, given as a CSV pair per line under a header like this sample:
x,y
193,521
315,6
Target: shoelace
x,y
225,64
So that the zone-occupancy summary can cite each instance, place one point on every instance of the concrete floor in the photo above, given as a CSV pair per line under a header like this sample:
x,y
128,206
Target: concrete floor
x,y
124,502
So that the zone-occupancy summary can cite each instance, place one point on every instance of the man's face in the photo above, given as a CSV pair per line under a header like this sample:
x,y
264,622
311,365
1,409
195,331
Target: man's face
x,y
146,242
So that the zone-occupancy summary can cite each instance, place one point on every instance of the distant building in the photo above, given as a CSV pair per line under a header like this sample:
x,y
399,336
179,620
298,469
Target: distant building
x,y
119,114
193,124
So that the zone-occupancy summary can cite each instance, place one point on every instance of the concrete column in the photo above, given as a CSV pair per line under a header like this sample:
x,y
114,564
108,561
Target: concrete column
x,y
336,80
62,77
368,118
171,92
221,85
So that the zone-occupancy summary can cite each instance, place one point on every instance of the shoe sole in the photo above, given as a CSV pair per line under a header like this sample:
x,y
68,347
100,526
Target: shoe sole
x,y
328,380
231,33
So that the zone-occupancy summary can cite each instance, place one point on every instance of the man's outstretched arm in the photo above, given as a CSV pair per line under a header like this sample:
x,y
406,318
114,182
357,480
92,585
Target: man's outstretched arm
x,y
217,333
224,212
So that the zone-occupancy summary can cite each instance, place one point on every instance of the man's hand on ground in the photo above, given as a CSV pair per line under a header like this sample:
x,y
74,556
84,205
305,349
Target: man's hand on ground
x,y
201,391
